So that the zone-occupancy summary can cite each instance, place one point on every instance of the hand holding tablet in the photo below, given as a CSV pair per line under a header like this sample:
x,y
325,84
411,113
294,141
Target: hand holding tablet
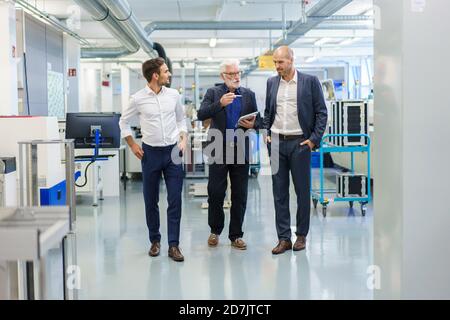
x,y
247,117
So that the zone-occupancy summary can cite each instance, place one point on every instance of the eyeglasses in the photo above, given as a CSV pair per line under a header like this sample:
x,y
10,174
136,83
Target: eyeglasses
x,y
233,74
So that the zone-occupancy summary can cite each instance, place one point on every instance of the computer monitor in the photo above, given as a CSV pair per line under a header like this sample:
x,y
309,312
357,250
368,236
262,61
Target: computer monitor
x,y
82,126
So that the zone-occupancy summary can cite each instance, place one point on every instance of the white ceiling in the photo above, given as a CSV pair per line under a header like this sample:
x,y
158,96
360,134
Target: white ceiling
x,y
241,44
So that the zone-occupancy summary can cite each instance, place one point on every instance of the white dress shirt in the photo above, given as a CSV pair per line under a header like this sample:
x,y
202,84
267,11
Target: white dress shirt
x,y
161,116
286,117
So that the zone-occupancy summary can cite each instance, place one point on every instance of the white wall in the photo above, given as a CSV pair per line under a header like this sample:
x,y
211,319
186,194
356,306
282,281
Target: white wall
x,y
257,81
8,74
72,61
107,104
89,89
412,217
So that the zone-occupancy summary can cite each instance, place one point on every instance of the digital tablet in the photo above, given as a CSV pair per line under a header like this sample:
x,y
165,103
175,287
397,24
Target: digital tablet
x,y
246,117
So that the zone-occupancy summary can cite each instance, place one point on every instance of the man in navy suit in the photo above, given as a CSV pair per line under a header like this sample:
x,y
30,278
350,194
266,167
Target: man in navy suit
x,y
224,105
295,118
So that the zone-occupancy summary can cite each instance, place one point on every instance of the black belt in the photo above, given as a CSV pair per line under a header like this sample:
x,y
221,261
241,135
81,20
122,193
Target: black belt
x,y
290,137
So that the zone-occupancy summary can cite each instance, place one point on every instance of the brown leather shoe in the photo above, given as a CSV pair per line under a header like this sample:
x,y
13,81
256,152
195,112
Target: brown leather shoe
x,y
154,249
300,243
175,254
213,240
282,246
239,244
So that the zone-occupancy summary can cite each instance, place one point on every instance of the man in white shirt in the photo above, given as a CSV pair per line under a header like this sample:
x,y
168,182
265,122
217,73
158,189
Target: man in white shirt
x,y
164,133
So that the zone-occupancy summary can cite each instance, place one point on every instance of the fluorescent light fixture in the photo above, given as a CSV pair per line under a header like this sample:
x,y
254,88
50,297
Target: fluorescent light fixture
x,y
349,41
322,41
311,59
212,42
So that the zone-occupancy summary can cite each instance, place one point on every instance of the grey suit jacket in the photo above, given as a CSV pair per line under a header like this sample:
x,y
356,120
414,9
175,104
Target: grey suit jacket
x,y
312,111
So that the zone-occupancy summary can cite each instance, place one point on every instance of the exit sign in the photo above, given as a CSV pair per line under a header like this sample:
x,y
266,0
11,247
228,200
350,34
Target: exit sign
x,y
72,72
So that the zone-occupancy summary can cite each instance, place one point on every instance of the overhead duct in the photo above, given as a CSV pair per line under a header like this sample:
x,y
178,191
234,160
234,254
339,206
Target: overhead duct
x,y
124,15
108,53
334,25
323,9
101,14
50,20
246,25
119,19
162,53
213,25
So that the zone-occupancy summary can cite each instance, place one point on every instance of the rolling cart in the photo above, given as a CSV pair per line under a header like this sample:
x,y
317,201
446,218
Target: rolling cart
x,y
326,196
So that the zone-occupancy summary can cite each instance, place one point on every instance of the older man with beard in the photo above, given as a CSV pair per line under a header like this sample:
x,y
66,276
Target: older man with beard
x,y
224,105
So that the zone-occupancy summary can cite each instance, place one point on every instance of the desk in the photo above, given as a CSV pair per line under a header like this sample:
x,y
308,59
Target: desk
x,y
103,174
27,234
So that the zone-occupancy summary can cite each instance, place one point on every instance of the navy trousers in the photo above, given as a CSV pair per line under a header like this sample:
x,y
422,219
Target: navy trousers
x,y
287,156
157,161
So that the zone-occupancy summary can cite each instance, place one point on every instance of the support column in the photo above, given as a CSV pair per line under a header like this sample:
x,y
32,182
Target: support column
x,y
183,84
125,86
411,213
8,54
72,73
346,90
197,87
106,88
90,92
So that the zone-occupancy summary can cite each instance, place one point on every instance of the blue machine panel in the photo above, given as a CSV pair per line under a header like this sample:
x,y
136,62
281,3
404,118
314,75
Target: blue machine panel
x,y
54,196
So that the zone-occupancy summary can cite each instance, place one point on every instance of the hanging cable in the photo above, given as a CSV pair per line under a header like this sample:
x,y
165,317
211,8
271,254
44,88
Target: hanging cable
x,y
98,140
85,176
26,82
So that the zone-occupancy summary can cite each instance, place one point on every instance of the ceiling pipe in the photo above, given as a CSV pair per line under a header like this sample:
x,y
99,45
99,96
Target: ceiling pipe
x,y
50,20
283,15
107,53
245,25
101,14
322,12
119,19
334,25
123,14
323,9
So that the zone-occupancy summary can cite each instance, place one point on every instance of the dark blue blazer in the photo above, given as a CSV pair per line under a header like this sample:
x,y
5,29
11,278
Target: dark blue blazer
x,y
312,111
211,108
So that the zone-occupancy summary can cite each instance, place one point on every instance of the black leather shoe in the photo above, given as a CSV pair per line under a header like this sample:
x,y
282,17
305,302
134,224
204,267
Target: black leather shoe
x,y
154,249
175,254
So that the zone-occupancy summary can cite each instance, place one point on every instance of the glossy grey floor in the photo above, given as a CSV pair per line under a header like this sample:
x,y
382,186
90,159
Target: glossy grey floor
x,y
113,244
